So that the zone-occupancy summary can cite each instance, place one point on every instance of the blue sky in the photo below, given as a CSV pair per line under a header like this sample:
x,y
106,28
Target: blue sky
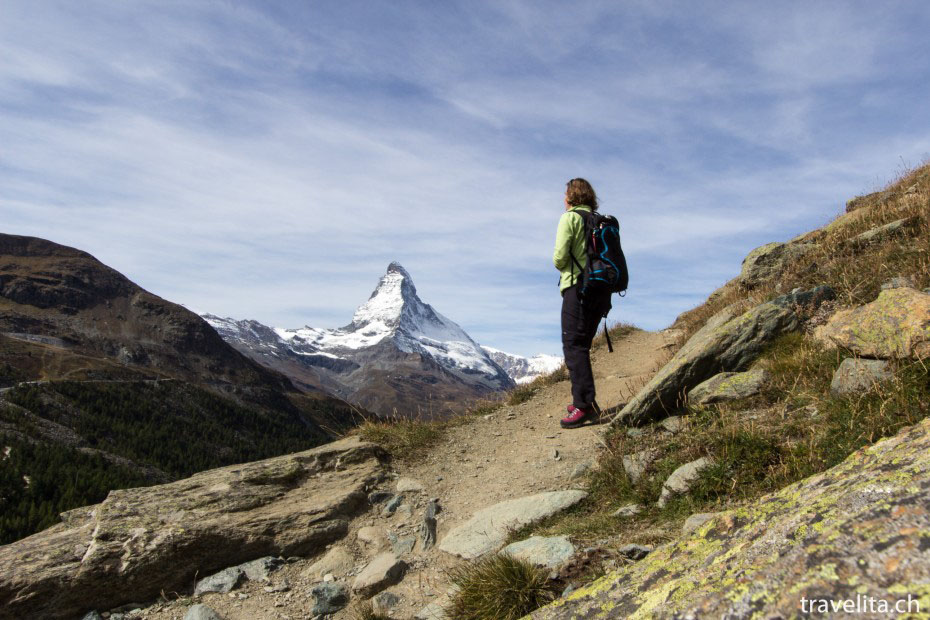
x,y
268,160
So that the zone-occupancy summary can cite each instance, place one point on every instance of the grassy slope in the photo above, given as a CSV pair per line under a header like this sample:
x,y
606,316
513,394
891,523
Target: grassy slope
x,y
795,428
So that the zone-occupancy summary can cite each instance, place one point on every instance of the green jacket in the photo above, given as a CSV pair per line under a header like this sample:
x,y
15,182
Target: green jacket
x,y
569,240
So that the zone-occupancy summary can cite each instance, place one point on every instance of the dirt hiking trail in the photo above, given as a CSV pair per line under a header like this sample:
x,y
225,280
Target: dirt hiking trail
x,y
515,452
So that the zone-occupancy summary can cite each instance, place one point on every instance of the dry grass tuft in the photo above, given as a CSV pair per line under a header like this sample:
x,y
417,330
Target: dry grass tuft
x,y
365,611
498,587
406,439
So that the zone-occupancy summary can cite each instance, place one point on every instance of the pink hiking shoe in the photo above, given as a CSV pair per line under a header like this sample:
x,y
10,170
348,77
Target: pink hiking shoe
x,y
576,416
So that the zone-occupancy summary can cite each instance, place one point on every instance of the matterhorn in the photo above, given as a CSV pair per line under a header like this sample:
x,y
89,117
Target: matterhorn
x,y
398,356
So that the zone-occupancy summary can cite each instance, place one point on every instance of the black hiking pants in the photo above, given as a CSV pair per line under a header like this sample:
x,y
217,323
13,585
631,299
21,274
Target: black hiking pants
x,y
579,324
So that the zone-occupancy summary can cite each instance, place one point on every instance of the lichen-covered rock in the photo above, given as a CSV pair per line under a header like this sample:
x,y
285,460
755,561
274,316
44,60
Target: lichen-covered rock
x,y
139,542
727,386
682,478
860,528
896,325
725,343
767,261
859,375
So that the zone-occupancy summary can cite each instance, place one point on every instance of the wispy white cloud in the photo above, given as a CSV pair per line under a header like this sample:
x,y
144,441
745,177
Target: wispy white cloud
x,y
268,161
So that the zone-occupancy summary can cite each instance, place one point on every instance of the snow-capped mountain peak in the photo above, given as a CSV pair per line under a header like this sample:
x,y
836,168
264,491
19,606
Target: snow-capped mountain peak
x,y
394,318
387,302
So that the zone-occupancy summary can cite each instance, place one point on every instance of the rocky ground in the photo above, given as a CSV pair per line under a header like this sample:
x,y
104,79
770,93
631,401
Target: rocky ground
x,y
515,452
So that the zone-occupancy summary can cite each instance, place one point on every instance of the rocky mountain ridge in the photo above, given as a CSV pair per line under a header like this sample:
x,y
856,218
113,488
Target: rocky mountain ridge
x,y
397,355
109,385
524,369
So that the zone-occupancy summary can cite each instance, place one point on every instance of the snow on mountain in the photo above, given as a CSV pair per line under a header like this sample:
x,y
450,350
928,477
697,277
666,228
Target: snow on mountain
x,y
395,317
524,369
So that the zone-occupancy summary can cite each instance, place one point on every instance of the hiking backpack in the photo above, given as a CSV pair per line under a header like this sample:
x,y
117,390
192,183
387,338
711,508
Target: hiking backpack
x,y
605,269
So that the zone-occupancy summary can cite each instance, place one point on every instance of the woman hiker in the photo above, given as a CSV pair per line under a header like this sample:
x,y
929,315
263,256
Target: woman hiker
x,y
580,318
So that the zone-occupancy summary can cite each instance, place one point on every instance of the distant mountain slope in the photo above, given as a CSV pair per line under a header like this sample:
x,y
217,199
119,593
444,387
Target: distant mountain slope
x,y
398,355
91,364
524,369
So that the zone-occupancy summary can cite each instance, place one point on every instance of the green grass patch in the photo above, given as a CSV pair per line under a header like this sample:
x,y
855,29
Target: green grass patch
x,y
498,587
403,438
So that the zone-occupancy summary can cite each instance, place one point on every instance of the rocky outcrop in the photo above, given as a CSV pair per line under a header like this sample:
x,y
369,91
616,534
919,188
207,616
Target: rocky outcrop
x,y
885,232
728,386
139,542
868,200
487,530
896,325
856,530
726,343
768,261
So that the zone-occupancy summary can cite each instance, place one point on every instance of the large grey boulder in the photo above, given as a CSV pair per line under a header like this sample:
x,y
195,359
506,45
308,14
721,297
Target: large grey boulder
x,y
487,530
859,375
769,260
139,542
726,343
544,551
727,386
683,478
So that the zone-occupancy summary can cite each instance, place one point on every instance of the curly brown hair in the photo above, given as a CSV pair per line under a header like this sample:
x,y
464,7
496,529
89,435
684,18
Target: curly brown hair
x,y
580,192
